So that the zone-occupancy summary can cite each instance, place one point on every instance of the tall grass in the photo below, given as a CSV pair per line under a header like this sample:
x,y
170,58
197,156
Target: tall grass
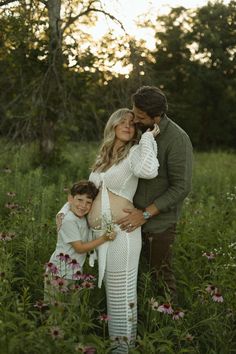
x,y
29,199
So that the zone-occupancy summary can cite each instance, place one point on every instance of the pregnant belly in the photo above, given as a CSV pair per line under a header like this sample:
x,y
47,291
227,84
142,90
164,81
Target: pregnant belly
x,y
117,204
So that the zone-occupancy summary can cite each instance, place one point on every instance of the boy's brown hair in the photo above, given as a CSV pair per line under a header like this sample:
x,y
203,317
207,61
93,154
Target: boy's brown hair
x,y
84,187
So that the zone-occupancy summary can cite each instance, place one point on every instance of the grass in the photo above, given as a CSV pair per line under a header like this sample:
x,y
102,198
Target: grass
x,y
29,199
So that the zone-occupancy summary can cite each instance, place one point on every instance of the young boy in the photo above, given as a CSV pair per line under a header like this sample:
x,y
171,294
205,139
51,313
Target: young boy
x,y
72,240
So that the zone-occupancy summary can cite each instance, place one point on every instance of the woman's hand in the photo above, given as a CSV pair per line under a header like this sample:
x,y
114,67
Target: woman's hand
x,y
59,219
133,220
155,131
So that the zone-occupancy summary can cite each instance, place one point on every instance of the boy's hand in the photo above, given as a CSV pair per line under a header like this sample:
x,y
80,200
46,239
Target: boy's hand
x,y
59,219
110,236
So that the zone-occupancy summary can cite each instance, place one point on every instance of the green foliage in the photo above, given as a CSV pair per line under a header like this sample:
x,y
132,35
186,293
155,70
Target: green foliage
x,y
194,63
29,200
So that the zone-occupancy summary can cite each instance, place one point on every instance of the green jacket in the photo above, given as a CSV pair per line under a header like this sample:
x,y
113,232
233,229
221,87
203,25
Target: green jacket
x,y
173,183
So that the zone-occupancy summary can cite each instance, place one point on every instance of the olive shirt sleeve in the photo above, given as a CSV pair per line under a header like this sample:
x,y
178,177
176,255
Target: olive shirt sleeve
x,y
179,165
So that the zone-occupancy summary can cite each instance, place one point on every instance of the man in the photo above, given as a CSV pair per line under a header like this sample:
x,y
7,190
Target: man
x,y
158,201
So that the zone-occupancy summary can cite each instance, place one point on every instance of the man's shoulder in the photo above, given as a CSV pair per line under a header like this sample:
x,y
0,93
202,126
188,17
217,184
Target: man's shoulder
x,y
175,133
175,129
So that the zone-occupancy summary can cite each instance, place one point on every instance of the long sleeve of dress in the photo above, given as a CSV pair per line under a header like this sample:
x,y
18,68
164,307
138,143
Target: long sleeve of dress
x,y
143,157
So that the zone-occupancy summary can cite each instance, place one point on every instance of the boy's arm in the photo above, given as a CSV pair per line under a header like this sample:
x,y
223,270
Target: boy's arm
x,y
83,247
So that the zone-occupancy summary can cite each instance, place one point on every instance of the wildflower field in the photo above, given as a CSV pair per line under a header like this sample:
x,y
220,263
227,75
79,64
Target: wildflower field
x,y
204,261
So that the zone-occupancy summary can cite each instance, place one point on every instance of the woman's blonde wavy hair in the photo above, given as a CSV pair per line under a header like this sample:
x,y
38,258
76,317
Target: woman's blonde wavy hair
x,y
105,158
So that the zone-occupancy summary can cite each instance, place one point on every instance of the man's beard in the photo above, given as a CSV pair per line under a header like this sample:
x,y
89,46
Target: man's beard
x,y
143,127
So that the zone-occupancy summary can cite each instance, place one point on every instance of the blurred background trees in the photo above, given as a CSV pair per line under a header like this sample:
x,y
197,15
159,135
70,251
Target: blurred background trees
x,y
58,84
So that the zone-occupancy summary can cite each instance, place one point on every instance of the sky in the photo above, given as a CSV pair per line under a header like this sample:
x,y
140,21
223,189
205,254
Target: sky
x,y
127,11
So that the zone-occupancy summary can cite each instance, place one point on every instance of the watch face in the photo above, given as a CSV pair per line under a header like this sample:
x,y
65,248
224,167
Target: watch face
x,y
146,215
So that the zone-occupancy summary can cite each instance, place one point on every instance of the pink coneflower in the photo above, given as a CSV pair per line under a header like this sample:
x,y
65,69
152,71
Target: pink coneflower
x,y
56,332
75,287
57,304
67,257
89,350
189,337
51,268
7,236
11,194
89,277
210,289
104,318
7,170
166,308
74,264
60,283
178,314
3,236
60,256
209,255
217,297
85,349
77,275
87,285
154,304
11,206
41,306
63,257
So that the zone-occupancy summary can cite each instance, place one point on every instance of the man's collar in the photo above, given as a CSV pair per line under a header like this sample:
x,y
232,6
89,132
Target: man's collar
x,y
163,124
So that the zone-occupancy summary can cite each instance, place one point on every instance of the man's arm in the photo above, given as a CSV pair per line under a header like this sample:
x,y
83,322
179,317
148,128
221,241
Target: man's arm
x,y
135,217
179,164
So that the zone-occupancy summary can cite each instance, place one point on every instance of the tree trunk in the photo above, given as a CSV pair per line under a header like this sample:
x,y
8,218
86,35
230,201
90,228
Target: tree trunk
x,y
53,84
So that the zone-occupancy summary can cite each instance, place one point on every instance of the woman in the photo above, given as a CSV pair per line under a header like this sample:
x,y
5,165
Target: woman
x,y
121,161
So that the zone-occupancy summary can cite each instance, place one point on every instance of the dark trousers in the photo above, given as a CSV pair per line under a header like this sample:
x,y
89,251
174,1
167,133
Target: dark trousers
x,y
157,250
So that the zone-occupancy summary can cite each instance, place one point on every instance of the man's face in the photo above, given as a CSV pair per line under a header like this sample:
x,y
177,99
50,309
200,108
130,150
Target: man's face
x,y
142,120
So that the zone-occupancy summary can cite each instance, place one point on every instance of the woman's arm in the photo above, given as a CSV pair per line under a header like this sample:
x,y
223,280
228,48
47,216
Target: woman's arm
x,y
143,157
60,215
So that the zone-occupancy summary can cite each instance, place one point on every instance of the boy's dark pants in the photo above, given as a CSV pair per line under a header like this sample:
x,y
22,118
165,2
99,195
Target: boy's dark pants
x,y
157,250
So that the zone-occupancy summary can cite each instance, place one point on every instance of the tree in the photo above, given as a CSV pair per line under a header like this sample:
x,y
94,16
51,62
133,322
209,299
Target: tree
x,y
50,23
195,65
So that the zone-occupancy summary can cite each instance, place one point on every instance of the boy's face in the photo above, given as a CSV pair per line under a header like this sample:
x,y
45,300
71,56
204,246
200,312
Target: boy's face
x,y
80,204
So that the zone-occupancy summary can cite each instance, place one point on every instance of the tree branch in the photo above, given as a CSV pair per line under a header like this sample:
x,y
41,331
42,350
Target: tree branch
x,y
91,9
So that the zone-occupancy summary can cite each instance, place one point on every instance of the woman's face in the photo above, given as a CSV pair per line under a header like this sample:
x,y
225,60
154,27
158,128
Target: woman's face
x,y
125,130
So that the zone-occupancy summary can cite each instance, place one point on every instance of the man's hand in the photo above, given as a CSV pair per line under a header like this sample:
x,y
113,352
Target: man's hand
x,y
59,219
133,220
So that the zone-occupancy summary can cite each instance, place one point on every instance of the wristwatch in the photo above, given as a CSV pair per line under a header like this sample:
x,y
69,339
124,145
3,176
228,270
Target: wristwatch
x,y
146,215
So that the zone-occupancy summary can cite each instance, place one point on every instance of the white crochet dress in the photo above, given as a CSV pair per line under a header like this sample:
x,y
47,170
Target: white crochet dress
x,y
118,260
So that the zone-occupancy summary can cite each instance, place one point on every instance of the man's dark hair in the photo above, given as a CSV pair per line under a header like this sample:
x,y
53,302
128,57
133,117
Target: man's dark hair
x,y
84,187
151,100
